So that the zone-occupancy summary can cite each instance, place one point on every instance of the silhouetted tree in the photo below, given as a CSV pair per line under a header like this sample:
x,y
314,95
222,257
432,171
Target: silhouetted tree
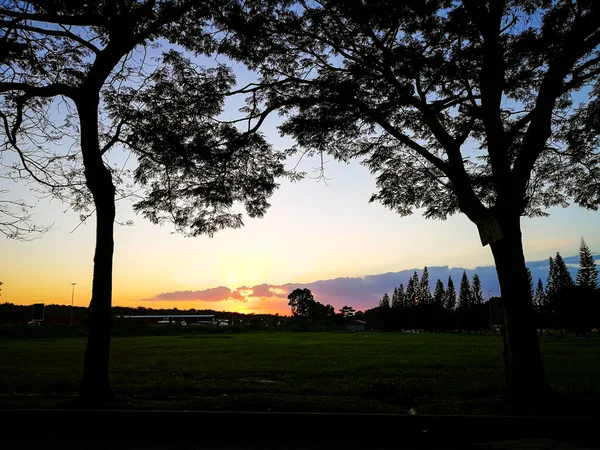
x,y
541,307
439,294
539,298
587,275
385,301
530,280
302,302
450,300
424,290
562,278
587,279
464,302
347,312
412,290
384,314
16,221
439,313
550,287
395,300
464,294
559,293
408,86
476,291
401,295
192,169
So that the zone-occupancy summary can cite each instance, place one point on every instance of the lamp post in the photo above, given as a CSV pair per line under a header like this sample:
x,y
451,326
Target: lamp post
x,y
72,298
490,306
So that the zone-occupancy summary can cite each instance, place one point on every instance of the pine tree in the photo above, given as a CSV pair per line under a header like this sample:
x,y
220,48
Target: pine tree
x,y
562,276
401,295
476,291
539,298
424,290
550,287
439,294
530,279
450,300
385,301
395,302
412,290
464,295
587,275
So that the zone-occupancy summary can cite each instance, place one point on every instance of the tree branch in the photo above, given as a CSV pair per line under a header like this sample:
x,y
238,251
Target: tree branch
x,y
77,20
580,41
49,32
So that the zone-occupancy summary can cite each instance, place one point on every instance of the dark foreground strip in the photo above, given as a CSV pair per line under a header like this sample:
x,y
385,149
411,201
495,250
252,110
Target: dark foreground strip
x,y
287,427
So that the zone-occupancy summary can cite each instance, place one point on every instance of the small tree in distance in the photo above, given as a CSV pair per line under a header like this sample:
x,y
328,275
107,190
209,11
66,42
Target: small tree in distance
x,y
347,312
385,301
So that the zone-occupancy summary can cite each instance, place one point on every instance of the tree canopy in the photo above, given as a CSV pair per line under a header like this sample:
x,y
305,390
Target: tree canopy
x,y
191,168
455,105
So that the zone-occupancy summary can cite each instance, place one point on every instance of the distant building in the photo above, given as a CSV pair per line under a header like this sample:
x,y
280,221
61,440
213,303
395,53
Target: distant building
x,y
356,325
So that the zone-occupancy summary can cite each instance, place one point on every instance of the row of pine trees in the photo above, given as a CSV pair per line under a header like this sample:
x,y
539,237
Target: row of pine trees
x,y
416,308
418,292
562,304
565,304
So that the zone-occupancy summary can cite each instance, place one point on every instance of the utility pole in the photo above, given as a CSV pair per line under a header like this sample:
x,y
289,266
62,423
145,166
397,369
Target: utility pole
x,y
72,298
490,308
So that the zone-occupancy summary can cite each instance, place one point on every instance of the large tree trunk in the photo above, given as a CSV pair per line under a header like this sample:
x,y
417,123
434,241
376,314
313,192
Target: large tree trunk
x,y
527,383
96,386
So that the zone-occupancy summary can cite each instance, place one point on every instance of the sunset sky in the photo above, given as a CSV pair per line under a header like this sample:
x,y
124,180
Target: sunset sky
x,y
313,231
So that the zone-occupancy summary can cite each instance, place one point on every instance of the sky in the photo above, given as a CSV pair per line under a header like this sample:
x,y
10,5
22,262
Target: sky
x,y
314,230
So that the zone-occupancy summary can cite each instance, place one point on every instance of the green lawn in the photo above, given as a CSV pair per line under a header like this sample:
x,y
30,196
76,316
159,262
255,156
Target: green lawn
x,y
375,372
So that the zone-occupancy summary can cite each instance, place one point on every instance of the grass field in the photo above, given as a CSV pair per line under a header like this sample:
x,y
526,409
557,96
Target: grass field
x,y
374,372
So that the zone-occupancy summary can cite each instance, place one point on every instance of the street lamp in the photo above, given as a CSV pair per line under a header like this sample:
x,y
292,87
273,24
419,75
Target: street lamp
x,y
72,297
490,306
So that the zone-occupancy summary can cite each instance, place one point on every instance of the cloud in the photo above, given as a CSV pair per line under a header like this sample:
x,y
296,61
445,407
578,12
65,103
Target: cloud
x,y
358,292
262,290
217,294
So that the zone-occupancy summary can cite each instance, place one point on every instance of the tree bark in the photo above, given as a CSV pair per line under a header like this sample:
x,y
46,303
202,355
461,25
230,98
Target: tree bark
x,y
526,381
96,388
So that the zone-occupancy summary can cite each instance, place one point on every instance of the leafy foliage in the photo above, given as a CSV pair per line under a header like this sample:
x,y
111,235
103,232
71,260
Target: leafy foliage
x,y
454,105
193,169
301,301
304,306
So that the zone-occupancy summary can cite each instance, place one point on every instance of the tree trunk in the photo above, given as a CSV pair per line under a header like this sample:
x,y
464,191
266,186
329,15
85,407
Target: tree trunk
x,y
96,388
526,381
